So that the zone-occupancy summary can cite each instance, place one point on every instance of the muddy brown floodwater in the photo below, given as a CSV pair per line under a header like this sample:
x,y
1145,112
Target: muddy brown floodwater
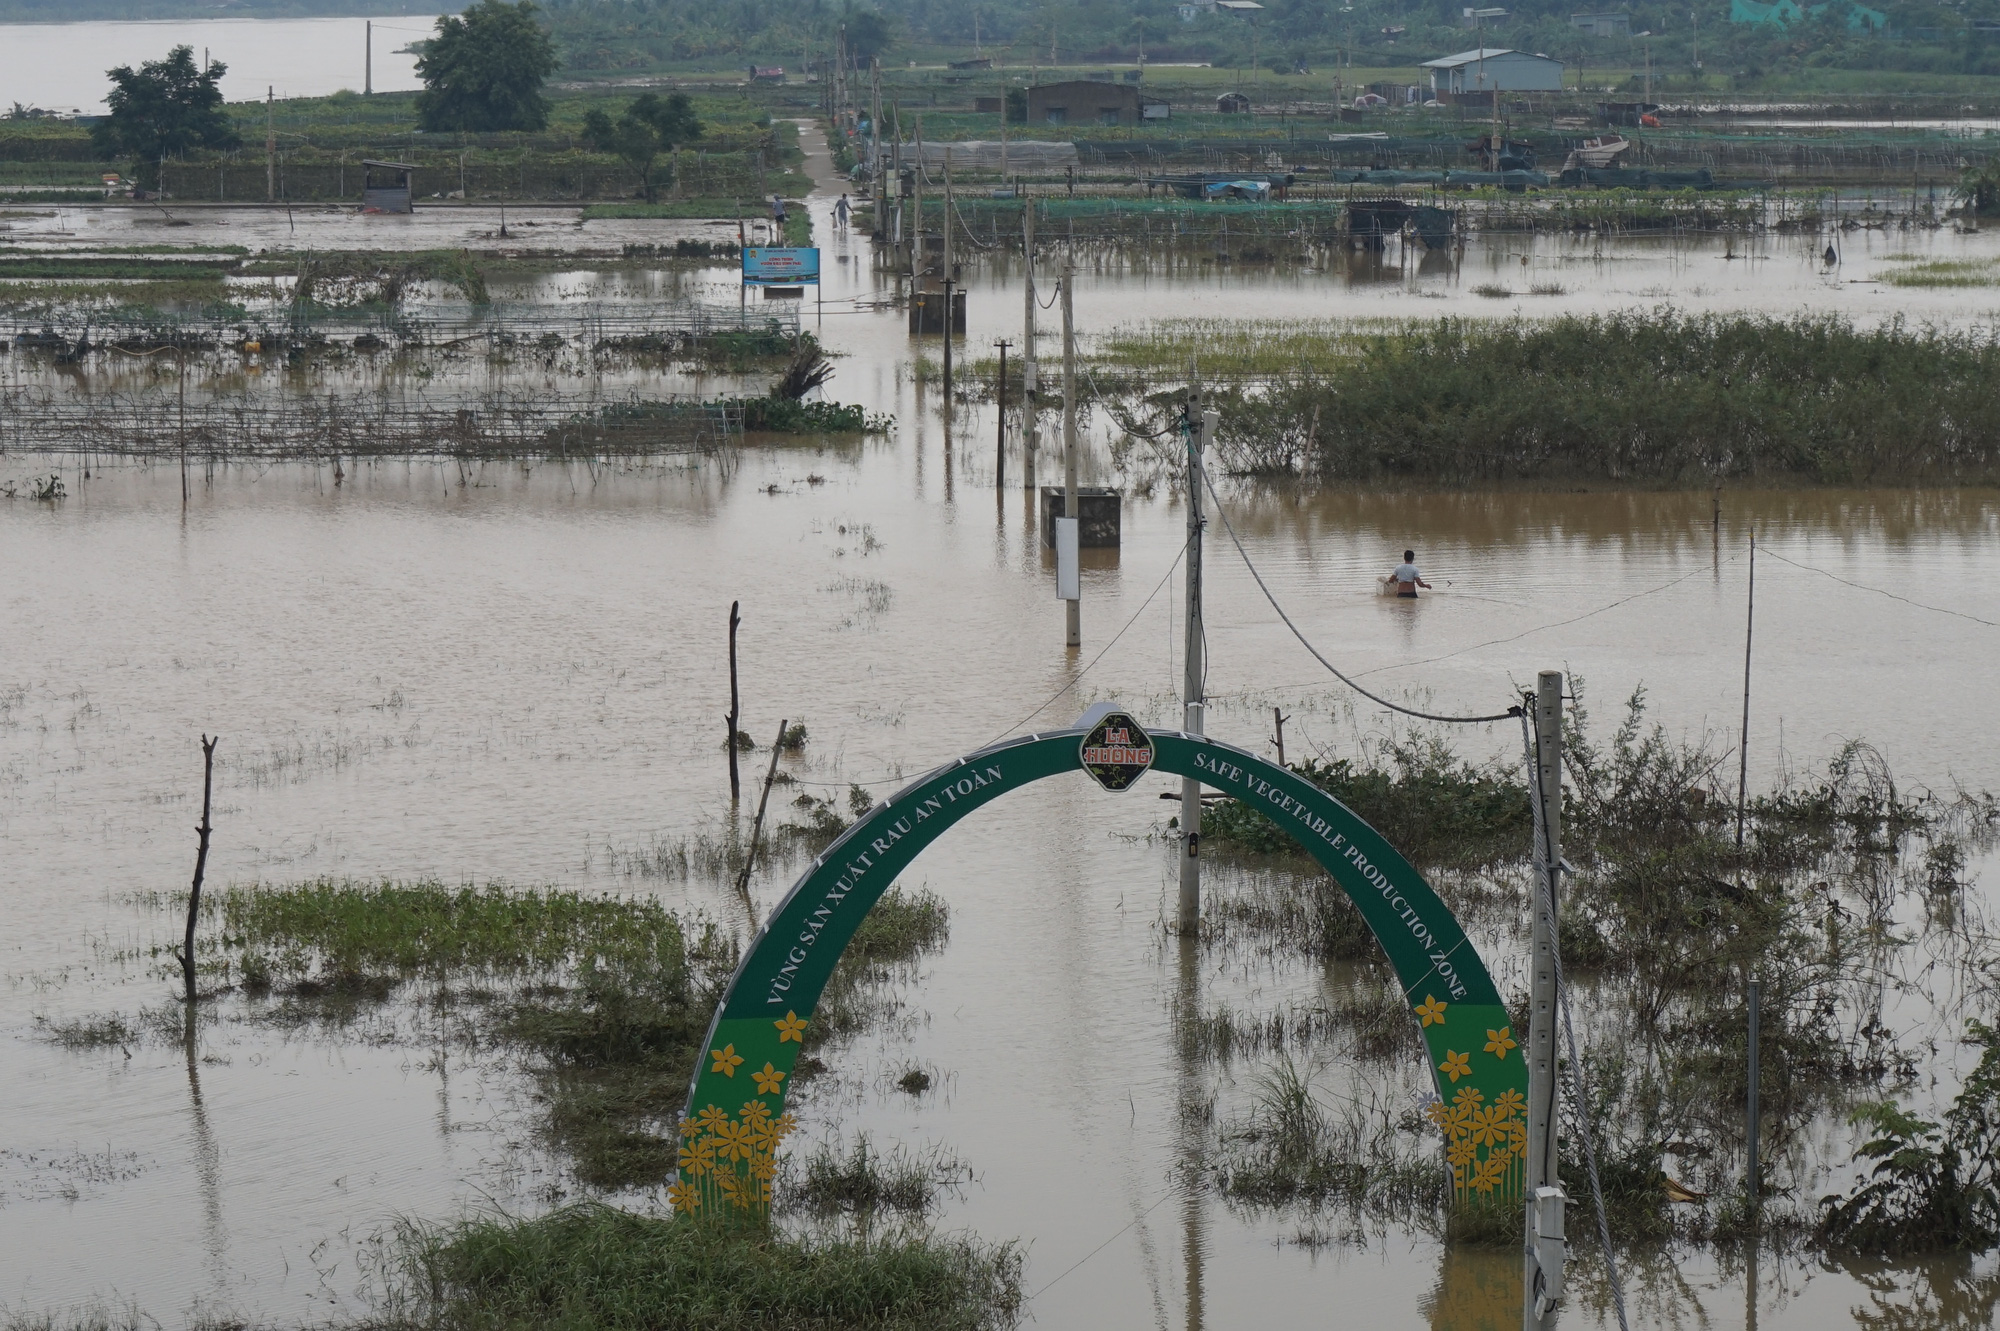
x,y
509,673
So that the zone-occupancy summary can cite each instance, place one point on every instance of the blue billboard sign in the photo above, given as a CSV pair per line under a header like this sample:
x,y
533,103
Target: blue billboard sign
x,y
789,266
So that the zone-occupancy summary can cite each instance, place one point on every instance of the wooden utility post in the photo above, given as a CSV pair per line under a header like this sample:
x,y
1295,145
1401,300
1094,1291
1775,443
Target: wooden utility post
x,y
1000,422
1193,698
1073,612
1542,1274
1028,363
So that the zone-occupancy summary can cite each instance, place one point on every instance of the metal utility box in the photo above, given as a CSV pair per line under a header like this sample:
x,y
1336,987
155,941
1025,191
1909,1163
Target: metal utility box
x,y
385,187
927,313
1098,507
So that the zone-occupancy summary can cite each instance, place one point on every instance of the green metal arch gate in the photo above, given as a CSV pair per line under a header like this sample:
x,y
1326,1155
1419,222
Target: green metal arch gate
x,y
735,1118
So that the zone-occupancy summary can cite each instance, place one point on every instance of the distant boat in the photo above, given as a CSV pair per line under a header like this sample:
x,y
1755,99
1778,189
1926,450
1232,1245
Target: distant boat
x,y
1599,152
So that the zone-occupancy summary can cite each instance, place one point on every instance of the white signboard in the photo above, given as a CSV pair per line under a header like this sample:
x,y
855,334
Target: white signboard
x,y
1068,584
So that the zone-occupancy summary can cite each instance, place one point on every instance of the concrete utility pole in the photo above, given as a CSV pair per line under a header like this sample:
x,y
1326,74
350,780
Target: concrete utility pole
x,y
1000,423
1542,1269
875,142
1028,365
1074,609
270,144
917,207
368,61
1197,667
949,286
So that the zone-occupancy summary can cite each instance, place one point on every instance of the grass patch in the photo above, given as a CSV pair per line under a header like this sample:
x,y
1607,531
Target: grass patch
x,y
332,929
608,998
1947,273
861,1180
93,1032
1658,397
593,1266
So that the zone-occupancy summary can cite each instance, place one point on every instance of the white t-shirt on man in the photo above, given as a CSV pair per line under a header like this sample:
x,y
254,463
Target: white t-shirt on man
x,y
1406,575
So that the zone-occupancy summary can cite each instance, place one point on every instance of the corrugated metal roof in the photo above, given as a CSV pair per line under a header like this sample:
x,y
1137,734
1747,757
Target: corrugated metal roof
x,y
1473,57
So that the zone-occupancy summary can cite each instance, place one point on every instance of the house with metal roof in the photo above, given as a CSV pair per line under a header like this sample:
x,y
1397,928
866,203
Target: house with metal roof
x,y
1488,70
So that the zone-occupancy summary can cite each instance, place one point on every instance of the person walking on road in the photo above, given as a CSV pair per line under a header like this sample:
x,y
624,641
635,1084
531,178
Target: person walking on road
x,y
841,210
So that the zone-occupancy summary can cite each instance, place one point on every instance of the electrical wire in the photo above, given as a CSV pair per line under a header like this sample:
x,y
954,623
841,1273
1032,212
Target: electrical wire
x,y
1539,628
1100,655
1305,642
1051,699
1107,1243
1858,586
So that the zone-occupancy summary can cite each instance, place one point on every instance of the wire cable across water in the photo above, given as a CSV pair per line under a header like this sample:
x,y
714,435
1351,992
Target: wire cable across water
x,y
1227,526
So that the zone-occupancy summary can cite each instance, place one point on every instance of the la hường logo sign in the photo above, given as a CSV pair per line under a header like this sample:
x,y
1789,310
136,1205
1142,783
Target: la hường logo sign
x,y
1117,751
780,266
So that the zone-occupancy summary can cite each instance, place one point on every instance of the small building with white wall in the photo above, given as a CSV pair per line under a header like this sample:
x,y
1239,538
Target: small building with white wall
x,y
1491,70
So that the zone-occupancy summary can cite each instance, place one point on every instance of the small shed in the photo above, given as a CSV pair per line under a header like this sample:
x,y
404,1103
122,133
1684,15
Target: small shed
x,y
385,187
1083,102
1232,104
1489,70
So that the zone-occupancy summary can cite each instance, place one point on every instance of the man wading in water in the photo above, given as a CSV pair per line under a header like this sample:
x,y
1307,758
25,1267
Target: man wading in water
x,y
1406,578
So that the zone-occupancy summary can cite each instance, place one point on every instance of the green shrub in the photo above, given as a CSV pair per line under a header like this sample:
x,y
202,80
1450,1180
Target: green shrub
x,y
1935,1186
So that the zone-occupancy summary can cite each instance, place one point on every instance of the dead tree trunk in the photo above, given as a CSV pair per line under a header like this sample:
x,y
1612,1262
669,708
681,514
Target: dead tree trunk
x,y
200,861
757,827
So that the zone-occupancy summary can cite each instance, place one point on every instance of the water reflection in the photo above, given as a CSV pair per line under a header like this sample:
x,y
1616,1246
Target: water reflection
x,y
207,1161
1478,1289
1950,1293
1193,1121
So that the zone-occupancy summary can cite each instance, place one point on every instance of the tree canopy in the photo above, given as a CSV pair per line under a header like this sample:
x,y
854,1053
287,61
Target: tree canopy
x,y
162,109
650,125
485,69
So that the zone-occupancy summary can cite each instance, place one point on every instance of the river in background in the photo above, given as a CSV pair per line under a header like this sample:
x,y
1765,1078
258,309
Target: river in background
x,y
515,673
60,66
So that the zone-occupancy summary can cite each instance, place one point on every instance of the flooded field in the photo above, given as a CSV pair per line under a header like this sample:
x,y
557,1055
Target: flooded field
x,y
518,674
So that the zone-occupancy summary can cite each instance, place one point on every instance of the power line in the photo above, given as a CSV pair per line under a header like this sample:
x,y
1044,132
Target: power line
x,y
1051,699
1540,628
1227,526
1858,586
1100,655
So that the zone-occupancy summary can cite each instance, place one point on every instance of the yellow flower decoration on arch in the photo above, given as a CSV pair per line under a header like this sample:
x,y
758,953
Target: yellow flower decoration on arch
x,y
791,1027
1430,1012
1456,1065
1500,1041
767,1080
683,1198
727,1060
